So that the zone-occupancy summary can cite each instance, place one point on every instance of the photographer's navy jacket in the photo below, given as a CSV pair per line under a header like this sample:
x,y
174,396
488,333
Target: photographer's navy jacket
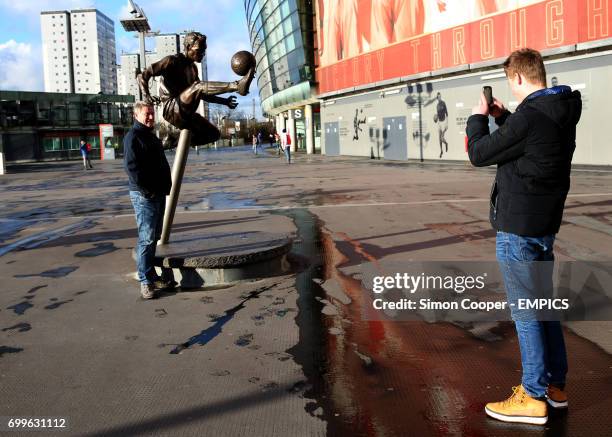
x,y
145,162
533,150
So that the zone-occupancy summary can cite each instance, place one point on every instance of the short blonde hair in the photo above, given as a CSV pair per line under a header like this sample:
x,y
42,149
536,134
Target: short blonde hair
x,y
138,106
528,63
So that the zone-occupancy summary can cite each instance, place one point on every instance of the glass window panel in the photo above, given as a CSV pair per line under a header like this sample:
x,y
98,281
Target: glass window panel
x,y
288,26
285,10
290,43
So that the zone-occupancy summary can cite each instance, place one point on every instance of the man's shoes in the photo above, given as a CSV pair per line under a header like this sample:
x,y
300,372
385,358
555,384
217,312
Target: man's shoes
x,y
160,284
519,408
556,397
147,291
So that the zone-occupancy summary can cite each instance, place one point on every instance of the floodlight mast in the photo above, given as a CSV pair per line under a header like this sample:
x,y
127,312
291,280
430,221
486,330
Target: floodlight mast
x,y
138,22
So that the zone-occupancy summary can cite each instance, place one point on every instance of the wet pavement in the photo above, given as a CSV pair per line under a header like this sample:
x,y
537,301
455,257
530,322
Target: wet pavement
x,y
288,355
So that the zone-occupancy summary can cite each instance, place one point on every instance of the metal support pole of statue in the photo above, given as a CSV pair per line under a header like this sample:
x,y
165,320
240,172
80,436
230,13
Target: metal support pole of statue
x,y
178,170
143,59
181,91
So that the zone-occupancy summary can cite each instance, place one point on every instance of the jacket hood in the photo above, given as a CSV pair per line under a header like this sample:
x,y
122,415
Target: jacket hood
x,y
560,104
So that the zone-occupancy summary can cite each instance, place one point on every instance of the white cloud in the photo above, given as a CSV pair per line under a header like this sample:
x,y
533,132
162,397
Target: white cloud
x,y
21,66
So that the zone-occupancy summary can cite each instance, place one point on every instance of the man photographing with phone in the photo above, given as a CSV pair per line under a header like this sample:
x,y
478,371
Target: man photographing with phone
x,y
533,150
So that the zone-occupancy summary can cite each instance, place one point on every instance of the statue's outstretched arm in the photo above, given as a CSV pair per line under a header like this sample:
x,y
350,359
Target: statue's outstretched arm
x,y
155,69
230,101
240,86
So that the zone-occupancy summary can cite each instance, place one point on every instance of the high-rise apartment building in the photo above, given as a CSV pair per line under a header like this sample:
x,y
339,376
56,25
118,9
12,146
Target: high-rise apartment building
x,y
121,86
79,51
129,64
167,44
57,51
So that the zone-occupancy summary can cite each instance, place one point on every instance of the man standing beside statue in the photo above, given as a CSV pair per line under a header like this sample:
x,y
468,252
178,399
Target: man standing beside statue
x,y
181,91
150,182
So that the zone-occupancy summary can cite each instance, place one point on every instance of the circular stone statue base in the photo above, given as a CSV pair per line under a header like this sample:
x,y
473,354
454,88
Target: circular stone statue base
x,y
198,260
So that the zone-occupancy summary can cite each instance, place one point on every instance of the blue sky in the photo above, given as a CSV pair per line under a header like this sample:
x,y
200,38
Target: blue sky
x,y
222,21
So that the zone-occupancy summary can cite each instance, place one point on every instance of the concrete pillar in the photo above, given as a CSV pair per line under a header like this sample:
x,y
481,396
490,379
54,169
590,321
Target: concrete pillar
x,y
2,167
309,126
281,122
291,130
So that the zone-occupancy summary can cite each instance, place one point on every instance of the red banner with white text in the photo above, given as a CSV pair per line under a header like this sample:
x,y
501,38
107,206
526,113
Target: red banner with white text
x,y
366,41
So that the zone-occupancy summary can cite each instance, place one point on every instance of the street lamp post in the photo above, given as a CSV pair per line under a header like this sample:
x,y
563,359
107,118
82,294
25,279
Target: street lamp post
x,y
138,22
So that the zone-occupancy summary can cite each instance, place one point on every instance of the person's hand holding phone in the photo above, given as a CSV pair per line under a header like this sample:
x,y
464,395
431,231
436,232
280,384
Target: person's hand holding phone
x,y
482,108
497,108
489,105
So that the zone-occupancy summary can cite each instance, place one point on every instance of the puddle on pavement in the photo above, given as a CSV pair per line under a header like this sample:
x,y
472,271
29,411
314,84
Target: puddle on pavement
x,y
85,211
58,304
10,228
210,333
224,200
41,238
20,308
375,378
19,327
60,272
33,290
9,350
309,352
98,250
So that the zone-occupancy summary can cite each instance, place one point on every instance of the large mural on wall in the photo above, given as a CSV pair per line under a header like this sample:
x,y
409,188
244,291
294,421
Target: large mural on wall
x,y
427,120
366,41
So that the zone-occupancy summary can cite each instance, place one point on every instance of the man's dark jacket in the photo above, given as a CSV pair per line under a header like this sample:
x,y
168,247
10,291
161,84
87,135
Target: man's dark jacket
x,y
145,162
533,150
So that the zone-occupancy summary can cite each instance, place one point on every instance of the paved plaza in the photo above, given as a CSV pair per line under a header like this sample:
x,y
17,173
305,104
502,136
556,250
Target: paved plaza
x,y
285,355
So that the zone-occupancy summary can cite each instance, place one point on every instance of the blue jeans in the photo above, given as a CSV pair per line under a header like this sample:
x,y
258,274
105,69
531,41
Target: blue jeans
x,y
543,354
149,218
288,154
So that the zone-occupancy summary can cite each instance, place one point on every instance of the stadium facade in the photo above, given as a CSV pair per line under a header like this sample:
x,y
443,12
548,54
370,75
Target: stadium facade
x,y
282,34
397,80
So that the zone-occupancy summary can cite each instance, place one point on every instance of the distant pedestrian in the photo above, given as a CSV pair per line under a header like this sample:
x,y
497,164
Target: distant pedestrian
x,y
85,151
286,145
277,141
260,140
255,141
